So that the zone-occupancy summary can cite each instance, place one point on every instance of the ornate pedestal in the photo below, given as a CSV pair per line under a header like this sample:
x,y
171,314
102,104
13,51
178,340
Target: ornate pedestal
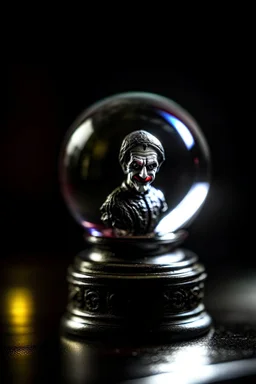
x,y
136,289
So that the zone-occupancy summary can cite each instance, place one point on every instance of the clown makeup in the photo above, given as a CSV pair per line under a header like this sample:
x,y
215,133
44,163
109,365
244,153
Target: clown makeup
x,y
142,168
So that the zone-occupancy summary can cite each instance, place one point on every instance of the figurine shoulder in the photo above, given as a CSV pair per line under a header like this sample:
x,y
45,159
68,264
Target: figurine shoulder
x,y
160,196
115,196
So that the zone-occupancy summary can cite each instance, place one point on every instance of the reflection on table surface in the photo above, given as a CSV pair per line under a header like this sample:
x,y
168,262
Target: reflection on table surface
x,y
33,297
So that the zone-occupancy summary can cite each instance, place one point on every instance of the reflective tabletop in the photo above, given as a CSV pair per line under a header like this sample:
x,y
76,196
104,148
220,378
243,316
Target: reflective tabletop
x,y
33,297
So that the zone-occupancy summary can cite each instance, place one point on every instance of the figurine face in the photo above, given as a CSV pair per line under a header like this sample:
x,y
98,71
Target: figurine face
x,y
142,168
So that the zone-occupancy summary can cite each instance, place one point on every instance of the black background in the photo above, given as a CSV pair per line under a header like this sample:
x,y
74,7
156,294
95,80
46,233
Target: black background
x,y
209,73
201,57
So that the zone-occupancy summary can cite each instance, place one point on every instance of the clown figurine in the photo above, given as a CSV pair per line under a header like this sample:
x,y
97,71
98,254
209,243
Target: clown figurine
x,y
135,208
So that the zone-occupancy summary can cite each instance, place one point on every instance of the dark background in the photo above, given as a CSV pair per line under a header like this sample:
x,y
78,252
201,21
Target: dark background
x,y
200,58
207,69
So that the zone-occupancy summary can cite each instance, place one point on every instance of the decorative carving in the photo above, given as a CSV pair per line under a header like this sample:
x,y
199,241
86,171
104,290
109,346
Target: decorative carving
x,y
118,302
179,299
196,295
92,300
175,300
183,299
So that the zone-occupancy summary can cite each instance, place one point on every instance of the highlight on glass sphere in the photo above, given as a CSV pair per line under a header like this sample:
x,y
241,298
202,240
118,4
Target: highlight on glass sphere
x,y
134,165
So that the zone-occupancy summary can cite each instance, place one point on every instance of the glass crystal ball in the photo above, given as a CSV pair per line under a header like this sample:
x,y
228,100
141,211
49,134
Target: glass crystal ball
x,y
134,164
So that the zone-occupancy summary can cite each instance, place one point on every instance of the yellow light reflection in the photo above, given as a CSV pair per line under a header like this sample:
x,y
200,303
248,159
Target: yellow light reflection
x,y
100,149
19,307
19,310
85,166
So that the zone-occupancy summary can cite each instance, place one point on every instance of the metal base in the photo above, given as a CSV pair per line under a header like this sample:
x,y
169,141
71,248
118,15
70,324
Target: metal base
x,y
177,330
139,295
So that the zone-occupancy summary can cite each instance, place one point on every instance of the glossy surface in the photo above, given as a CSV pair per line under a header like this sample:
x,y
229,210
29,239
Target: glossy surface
x,y
90,170
33,298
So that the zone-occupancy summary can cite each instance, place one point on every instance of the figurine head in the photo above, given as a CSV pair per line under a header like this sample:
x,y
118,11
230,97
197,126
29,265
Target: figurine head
x,y
141,156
